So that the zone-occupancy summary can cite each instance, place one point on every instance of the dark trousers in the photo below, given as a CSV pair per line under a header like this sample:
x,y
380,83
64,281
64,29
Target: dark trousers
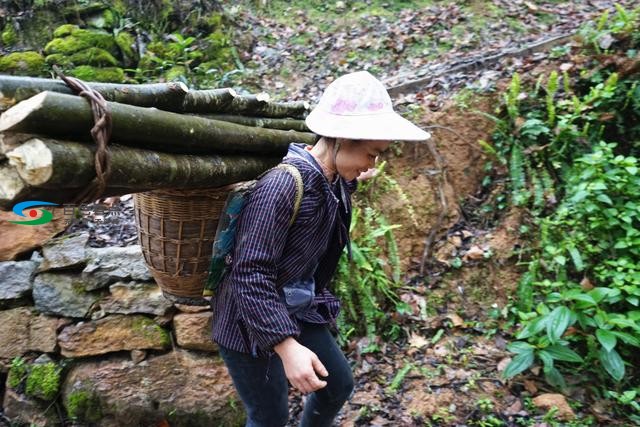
x,y
263,386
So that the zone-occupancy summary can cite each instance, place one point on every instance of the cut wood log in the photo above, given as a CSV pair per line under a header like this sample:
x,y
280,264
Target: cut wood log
x,y
164,96
14,190
256,105
229,102
173,96
58,165
261,122
208,101
9,141
69,117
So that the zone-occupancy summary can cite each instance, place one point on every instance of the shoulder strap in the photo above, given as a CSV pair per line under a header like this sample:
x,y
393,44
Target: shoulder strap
x,y
299,187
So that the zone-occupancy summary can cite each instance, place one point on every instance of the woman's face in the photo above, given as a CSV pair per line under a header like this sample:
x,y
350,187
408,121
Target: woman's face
x,y
356,156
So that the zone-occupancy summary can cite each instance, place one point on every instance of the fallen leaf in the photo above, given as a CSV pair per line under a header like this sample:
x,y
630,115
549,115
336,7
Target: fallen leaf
x,y
417,341
474,253
502,364
530,386
455,319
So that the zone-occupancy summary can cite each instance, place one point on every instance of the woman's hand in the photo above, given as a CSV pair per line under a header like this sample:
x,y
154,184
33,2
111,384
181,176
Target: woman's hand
x,y
368,174
301,365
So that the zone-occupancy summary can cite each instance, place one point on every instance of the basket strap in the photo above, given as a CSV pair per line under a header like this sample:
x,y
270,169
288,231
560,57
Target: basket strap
x,y
299,188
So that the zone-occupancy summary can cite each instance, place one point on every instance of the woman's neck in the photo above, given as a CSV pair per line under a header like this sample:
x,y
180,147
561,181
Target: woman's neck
x,y
323,153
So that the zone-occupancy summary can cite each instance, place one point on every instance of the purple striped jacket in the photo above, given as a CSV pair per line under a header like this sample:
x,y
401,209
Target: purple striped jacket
x,y
248,315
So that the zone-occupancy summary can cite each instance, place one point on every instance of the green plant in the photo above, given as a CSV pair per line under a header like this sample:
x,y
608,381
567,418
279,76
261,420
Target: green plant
x,y
600,35
364,283
43,380
399,378
367,283
577,302
17,372
594,234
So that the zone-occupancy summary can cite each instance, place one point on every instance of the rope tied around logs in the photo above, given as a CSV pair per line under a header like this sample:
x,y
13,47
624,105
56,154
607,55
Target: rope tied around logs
x,y
101,133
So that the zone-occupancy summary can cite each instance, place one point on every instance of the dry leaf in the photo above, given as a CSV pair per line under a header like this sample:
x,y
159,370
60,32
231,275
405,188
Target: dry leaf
x,y
502,364
417,341
455,319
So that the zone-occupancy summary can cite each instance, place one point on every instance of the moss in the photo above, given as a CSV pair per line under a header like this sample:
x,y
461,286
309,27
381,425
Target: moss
x,y
84,9
125,42
92,74
81,39
106,19
22,63
92,56
83,406
162,50
78,287
65,30
151,330
9,36
43,381
17,372
175,73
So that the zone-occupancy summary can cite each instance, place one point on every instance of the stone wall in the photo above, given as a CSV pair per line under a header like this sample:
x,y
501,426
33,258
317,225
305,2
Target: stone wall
x,y
87,338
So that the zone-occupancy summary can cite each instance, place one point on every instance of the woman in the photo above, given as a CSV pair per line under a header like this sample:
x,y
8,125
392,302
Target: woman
x,y
274,316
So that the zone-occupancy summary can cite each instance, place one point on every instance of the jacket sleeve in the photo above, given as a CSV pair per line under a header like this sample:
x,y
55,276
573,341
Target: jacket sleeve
x,y
260,240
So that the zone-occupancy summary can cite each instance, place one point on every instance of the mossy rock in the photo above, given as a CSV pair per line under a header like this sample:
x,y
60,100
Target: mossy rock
x,y
177,72
22,63
167,51
93,56
83,406
81,39
84,9
93,74
65,30
151,330
125,42
105,20
9,36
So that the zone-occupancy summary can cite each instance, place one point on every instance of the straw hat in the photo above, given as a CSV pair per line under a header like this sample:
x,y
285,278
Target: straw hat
x,y
357,106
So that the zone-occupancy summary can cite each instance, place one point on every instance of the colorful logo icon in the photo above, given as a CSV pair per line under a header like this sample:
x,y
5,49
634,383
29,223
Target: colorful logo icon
x,y
46,215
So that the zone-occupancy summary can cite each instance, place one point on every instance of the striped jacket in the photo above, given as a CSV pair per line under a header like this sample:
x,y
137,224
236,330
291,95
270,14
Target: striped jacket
x,y
248,314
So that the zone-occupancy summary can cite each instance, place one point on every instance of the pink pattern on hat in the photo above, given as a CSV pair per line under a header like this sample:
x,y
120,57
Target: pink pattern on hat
x,y
375,106
343,105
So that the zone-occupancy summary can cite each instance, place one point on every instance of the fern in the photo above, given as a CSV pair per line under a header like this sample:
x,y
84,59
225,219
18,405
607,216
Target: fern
x,y
552,88
518,176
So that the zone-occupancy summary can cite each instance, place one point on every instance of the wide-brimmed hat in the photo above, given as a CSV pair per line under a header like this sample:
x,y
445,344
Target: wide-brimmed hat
x,y
357,106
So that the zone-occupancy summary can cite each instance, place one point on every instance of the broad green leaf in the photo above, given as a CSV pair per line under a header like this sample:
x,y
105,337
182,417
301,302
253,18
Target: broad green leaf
x,y
625,323
612,363
577,258
606,338
519,363
600,293
561,352
627,338
584,298
532,328
558,322
519,347
553,377
604,198
579,196
547,359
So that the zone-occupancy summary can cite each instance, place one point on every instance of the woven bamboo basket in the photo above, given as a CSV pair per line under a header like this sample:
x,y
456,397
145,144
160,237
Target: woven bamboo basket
x,y
176,229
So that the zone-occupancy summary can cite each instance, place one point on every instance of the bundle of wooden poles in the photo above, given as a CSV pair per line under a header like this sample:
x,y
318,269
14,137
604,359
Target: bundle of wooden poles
x,y
164,136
